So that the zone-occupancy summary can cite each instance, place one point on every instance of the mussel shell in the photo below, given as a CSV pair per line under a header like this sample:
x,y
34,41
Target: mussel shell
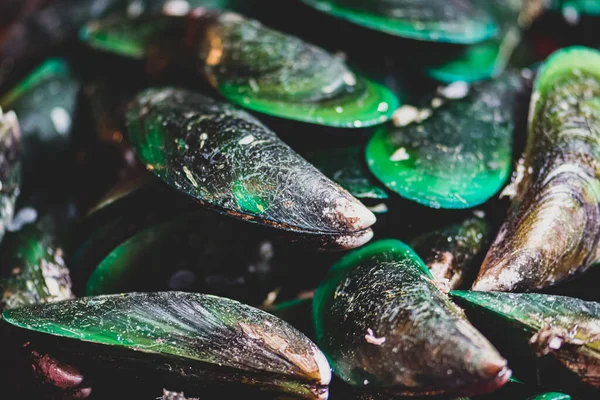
x,y
10,167
455,156
487,59
561,333
553,228
383,323
228,160
280,75
454,21
184,337
45,102
251,65
34,258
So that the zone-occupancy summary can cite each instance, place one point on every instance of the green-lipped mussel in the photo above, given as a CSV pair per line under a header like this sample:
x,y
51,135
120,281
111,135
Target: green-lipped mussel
x,y
450,252
45,102
453,21
10,167
37,268
191,339
251,65
383,323
456,152
226,159
558,328
553,228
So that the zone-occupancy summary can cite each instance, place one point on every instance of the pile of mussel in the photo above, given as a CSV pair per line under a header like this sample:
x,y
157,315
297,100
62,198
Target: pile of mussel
x,y
300,199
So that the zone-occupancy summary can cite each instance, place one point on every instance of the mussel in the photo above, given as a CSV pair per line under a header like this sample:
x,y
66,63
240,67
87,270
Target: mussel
x,y
453,21
10,167
253,66
38,273
188,339
345,166
226,159
553,228
45,102
556,328
384,324
454,153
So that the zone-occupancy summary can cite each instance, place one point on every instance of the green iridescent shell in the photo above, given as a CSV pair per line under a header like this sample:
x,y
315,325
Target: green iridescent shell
x,y
188,337
553,228
383,323
456,153
453,21
251,65
566,329
226,159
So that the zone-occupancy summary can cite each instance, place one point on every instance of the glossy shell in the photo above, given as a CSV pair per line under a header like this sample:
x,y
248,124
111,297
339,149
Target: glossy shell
x,y
251,65
564,328
228,160
206,337
456,155
553,228
383,323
